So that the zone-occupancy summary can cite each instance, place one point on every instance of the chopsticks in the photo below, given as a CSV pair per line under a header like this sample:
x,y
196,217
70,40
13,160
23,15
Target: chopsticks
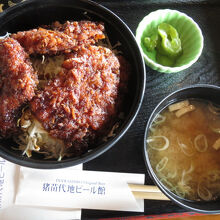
x,y
147,192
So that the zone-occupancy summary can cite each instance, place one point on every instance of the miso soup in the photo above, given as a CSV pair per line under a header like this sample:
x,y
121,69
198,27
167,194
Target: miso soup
x,y
184,149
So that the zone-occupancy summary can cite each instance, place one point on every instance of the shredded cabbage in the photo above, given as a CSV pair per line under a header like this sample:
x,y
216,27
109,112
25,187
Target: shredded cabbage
x,y
47,67
36,138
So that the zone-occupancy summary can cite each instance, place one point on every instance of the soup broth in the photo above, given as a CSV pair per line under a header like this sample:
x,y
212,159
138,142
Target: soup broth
x,y
184,149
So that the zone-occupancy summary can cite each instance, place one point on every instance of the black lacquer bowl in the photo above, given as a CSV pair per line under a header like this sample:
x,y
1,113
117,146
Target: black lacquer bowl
x,y
204,92
30,14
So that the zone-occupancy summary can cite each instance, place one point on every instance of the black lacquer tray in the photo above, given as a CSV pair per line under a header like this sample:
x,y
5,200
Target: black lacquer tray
x,y
126,155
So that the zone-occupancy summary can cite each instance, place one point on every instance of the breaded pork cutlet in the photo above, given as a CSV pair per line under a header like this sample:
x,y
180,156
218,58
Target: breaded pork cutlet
x,y
63,39
17,84
85,32
81,102
43,41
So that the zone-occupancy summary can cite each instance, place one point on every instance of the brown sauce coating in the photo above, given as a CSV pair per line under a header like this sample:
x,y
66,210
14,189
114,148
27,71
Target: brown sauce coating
x,y
17,84
82,100
43,41
64,38
85,32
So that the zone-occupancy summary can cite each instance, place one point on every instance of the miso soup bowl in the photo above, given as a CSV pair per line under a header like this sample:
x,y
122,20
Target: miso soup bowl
x,y
33,13
205,92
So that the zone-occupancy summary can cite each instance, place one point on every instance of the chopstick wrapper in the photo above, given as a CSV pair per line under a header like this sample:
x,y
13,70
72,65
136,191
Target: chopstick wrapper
x,y
79,189
9,178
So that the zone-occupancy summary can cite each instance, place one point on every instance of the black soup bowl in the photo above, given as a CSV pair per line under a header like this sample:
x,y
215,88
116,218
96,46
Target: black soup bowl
x,y
33,13
203,92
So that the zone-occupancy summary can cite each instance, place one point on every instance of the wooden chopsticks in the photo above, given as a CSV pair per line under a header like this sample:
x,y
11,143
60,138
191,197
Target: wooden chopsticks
x,y
147,192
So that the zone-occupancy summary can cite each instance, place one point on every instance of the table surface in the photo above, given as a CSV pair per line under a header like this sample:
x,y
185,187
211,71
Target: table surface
x,y
126,156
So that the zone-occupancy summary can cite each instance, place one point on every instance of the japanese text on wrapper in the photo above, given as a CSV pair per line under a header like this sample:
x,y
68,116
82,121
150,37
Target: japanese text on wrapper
x,y
75,188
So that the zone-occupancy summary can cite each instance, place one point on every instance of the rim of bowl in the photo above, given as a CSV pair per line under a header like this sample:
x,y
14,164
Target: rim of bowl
x,y
172,196
157,66
44,164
